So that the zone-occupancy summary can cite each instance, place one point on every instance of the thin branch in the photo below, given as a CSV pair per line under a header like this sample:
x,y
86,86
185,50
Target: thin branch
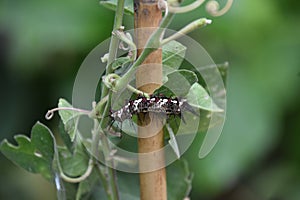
x,y
190,27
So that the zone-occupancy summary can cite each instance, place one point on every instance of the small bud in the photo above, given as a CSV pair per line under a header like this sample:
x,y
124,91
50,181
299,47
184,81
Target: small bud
x,y
208,21
104,59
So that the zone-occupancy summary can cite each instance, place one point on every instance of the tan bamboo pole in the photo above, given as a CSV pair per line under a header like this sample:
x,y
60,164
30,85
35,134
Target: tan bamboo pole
x,y
148,78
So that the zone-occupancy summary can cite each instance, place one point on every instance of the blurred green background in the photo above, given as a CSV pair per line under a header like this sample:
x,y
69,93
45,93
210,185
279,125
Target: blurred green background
x,y
42,44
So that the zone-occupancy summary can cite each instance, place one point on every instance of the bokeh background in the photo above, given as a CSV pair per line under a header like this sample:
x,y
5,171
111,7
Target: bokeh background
x,y
42,44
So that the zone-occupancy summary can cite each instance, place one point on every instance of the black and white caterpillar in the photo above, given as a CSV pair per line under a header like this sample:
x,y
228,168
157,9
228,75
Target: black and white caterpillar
x,y
155,104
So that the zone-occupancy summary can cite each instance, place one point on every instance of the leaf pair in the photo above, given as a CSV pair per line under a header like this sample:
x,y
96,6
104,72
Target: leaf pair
x,y
35,154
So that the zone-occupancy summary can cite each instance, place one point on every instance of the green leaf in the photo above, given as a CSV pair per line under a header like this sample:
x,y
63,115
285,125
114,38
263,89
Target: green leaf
x,y
73,164
121,65
199,98
70,118
172,56
112,5
65,137
35,154
120,62
178,84
172,141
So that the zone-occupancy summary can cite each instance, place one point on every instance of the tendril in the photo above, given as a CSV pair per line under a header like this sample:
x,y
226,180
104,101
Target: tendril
x,y
126,38
213,8
78,179
163,5
124,47
187,8
51,112
109,80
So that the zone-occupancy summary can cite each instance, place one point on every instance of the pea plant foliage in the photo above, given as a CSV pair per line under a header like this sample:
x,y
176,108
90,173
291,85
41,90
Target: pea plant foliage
x,y
84,167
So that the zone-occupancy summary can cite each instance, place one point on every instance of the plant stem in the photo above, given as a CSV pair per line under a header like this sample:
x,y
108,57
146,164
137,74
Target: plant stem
x,y
110,174
113,47
111,178
104,108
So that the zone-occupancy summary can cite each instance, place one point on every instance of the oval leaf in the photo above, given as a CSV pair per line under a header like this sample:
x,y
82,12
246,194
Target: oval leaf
x,y
178,84
172,141
70,118
74,164
199,98
172,56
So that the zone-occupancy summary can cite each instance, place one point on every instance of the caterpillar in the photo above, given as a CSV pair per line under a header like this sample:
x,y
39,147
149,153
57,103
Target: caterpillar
x,y
156,104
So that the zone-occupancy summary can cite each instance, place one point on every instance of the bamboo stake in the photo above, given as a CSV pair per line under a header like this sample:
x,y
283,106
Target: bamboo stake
x,y
148,78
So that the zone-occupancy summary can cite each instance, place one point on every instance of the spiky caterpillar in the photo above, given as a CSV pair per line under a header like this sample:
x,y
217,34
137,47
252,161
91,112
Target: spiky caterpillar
x,y
156,104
